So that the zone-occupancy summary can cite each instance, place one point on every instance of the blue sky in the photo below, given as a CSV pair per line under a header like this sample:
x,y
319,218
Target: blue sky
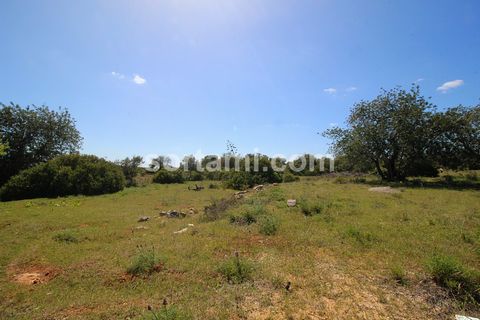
x,y
162,77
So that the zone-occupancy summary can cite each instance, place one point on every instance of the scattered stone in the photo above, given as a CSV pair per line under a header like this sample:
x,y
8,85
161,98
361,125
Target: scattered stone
x,y
241,192
192,211
196,188
459,317
275,184
173,214
143,219
181,231
258,188
141,228
384,190
191,225
291,202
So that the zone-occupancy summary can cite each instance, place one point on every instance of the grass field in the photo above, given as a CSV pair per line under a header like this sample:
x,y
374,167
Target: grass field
x,y
343,252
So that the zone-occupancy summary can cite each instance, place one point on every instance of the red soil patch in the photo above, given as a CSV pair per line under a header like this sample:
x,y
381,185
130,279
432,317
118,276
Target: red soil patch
x,y
32,275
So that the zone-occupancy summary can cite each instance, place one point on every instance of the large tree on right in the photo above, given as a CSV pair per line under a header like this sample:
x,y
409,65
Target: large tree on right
x,y
392,133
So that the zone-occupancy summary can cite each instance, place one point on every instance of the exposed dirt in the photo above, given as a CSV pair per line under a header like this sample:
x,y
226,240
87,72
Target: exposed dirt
x,y
32,275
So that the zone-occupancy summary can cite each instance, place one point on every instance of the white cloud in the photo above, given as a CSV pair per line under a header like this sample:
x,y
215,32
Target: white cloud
x,y
117,75
333,124
350,89
419,80
138,79
330,90
450,85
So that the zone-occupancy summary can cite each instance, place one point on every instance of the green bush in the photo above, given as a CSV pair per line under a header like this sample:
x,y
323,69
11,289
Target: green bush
x,y
268,225
192,176
239,180
289,177
144,263
165,177
310,208
65,175
245,218
236,270
450,274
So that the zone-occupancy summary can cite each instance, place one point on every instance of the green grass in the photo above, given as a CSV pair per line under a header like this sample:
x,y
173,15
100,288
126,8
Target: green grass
x,y
333,259
144,263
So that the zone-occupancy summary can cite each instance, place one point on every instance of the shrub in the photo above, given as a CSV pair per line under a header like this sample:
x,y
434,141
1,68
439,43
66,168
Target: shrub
x,y
168,313
236,270
165,177
66,237
192,176
268,225
239,180
459,281
448,179
472,176
246,218
289,177
398,275
144,263
310,209
65,175
218,207
251,215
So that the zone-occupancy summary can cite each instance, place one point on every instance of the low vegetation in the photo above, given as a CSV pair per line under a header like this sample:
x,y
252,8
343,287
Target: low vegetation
x,y
457,279
288,264
145,262
236,270
65,175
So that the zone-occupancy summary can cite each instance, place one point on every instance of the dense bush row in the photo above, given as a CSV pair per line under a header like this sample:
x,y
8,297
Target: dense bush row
x,y
65,175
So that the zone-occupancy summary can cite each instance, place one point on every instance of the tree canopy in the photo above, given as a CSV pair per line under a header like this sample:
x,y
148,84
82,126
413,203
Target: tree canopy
x,y
34,135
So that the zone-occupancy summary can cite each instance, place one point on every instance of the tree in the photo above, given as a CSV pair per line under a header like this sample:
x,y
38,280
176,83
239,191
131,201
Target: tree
x,y
3,149
130,168
189,163
34,135
162,162
392,132
457,142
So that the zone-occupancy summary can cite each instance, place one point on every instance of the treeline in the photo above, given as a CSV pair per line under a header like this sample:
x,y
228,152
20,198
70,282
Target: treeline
x,y
400,134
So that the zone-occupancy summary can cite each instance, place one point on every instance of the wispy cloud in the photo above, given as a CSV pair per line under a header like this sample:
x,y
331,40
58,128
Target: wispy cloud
x,y
419,80
450,85
351,89
117,75
330,90
138,79
135,78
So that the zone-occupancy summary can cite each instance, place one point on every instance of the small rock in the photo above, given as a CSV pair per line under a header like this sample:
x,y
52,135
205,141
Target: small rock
x,y
163,213
291,202
191,225
275,184
175,214
141,228
143,219
258,188
192,211
181,231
